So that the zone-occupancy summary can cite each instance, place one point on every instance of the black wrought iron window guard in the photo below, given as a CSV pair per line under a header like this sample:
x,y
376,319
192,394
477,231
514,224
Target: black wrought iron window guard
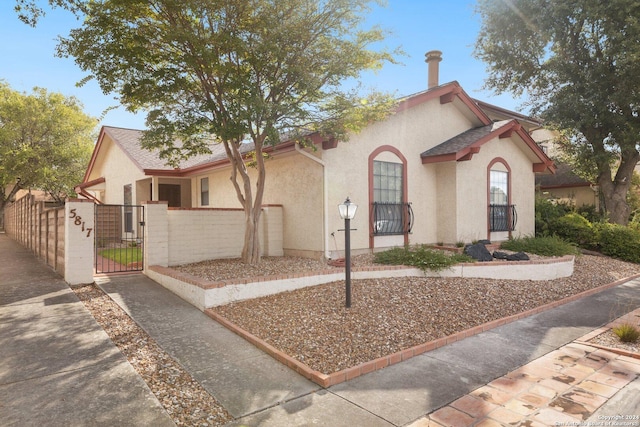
x,y
502,217
391,218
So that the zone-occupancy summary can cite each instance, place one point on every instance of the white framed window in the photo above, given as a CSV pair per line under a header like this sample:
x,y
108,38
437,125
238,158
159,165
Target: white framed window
x,y
204,191
387,182
499,187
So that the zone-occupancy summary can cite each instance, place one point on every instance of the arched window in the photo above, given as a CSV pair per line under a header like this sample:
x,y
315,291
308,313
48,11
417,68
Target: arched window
x,y
390,211
502,214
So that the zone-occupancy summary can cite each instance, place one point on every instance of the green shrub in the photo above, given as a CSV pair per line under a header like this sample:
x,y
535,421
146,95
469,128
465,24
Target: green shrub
x,y
591,214
420,256
546,212
546,246
619,242
627,332
575,228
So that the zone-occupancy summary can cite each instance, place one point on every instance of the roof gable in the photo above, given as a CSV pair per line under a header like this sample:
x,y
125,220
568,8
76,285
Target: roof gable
x,y
498,113
462,147
149,161
448,93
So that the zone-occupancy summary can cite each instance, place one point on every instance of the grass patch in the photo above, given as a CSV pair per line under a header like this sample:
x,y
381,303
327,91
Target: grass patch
x,y
627,333
420,256
545,246
122,256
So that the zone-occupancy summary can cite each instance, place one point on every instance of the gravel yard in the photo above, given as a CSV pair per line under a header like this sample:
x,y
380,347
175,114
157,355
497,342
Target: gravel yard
x,y
313,326
225,269
388,315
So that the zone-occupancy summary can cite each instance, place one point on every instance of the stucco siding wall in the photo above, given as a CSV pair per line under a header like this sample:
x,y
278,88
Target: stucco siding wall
x,y
296,183
118,169
143,191
293,181
447,209
411,132
472,190
471,194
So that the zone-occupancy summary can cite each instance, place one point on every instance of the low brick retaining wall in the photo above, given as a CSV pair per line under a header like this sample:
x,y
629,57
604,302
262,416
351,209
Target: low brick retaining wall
x,y
205,294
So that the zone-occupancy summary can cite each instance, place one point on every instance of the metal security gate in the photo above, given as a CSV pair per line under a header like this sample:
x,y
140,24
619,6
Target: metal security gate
x,y
119,238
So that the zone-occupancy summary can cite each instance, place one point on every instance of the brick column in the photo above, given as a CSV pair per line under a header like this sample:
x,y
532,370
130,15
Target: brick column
x,y
78,241
156,234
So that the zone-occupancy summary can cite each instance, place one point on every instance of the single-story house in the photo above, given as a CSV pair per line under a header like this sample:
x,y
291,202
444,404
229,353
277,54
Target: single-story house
x,y
567,187
441,169
564,186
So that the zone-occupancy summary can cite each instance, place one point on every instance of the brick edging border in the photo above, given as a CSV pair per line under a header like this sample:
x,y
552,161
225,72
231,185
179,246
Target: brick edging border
x,y
327,380
585,341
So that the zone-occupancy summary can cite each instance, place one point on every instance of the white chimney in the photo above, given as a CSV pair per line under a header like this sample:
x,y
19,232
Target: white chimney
x,y
432,58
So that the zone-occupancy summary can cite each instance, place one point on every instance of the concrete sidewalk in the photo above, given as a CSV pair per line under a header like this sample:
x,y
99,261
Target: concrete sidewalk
x,y
258,391
57,366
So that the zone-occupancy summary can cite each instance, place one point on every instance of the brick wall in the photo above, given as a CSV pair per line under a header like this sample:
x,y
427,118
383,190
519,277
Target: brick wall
x,y
201,234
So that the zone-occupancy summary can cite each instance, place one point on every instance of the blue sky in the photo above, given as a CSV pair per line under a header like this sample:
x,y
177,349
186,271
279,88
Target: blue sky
x,y
417,26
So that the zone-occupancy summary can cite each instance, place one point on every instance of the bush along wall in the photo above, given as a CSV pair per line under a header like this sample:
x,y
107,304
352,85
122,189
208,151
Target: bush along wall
x,y
619,242
575,228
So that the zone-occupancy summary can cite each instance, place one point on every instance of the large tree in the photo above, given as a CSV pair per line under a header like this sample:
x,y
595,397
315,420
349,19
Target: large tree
x,y
238,71
578,61
46,141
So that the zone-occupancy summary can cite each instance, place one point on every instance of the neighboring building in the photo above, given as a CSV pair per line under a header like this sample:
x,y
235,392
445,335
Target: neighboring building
x,y
566,187
439,170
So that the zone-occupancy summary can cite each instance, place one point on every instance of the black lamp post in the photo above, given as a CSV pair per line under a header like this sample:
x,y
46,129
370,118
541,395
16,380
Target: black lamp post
x,y
347,212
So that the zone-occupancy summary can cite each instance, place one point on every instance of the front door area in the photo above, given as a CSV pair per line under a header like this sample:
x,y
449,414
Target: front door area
x,y
171,193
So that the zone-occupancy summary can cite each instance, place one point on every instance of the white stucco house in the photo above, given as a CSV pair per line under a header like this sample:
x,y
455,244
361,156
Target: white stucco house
x,y
444,168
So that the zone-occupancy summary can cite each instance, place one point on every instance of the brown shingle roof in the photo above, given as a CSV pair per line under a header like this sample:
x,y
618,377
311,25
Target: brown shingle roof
x,y
463,141
564,177
129,141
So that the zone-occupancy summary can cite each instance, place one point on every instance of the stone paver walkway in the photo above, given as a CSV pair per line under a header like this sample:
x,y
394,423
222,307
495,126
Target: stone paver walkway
x,y
564,387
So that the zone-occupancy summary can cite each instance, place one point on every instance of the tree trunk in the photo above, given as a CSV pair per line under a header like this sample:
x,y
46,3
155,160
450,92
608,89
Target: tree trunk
x,y
251,248
252,206
615,191
615,201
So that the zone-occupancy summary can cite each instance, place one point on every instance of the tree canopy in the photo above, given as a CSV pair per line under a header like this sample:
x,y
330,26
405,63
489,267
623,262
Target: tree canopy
x,y
578,62
237,71
46,141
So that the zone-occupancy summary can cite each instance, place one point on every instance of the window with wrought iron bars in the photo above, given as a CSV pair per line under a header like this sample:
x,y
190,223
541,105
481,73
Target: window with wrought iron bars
x,y
391,218
502,217
390,214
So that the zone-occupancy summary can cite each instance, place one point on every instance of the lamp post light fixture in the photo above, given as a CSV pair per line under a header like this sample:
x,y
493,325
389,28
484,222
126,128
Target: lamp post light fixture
x,y
347,212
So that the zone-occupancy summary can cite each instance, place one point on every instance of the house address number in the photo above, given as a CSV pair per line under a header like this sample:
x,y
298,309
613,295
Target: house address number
x,y
77,220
